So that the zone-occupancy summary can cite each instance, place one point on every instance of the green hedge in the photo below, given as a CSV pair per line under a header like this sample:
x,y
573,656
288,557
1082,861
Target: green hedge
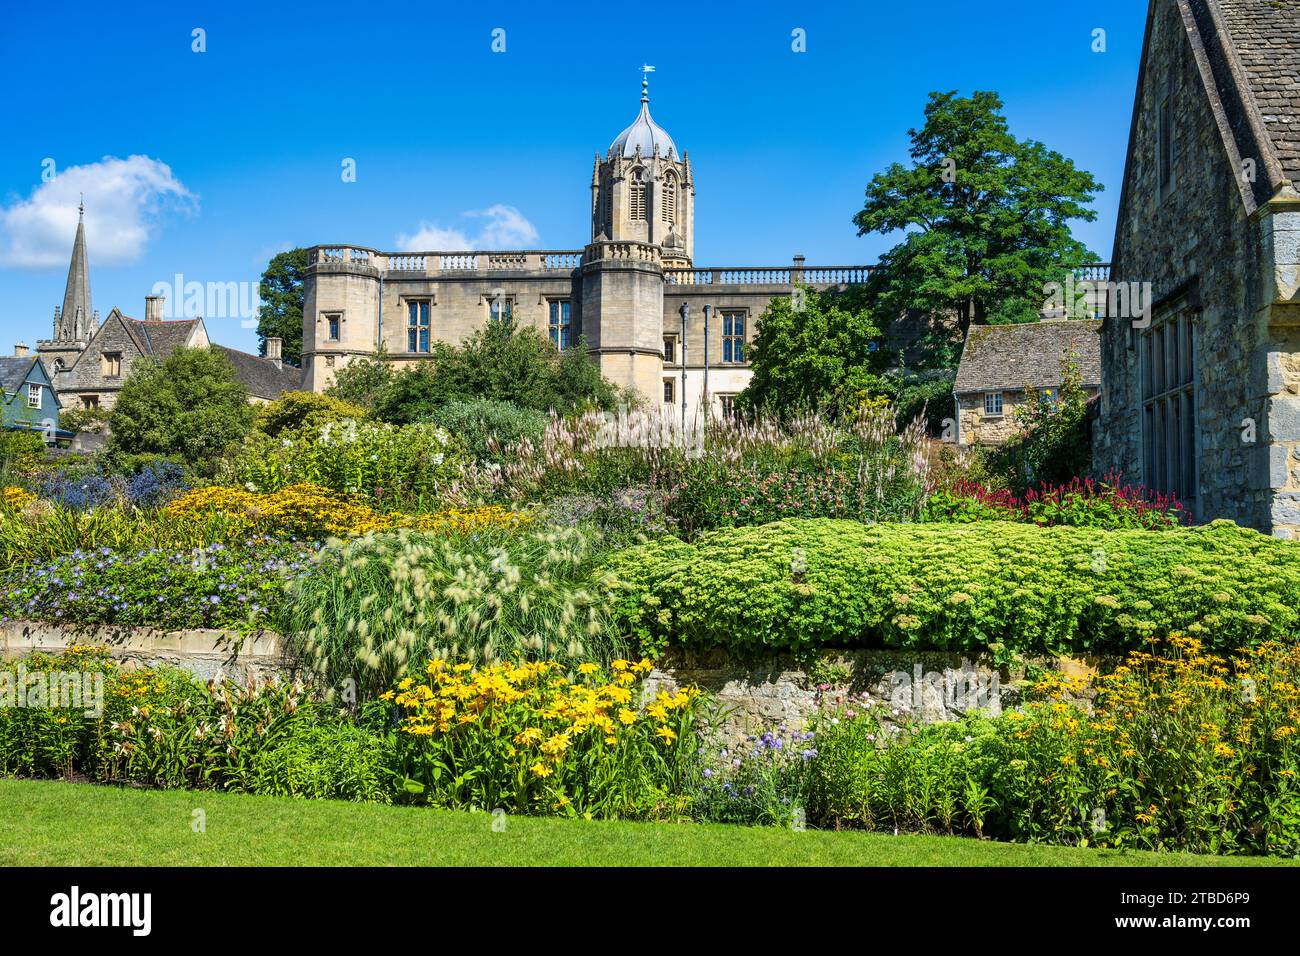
x,y
1020,588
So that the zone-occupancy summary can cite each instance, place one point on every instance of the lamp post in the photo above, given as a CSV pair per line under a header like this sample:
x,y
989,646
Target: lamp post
x,y
685,312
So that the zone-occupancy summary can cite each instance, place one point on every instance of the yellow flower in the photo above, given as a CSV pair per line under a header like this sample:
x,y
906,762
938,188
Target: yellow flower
x,y
667,734
540,770
626,716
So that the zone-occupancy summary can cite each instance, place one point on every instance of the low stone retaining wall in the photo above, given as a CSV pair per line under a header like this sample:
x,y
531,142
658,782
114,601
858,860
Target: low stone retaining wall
x,y
203,652
756,695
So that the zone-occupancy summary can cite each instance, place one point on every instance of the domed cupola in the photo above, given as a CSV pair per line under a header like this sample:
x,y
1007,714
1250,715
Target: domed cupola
x,y
643,190
644,134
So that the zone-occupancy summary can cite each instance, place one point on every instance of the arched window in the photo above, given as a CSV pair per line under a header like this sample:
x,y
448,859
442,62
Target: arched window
x,y
636,199
670,198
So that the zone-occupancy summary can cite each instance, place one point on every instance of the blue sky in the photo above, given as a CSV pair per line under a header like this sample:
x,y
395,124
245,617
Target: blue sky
x,y
206,164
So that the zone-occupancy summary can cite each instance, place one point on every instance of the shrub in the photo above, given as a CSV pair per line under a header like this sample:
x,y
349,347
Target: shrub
x,y
190,405
79,488
526,738
92,421
299,411
488,428
501,362
1012,587
21,452
758,783
411,466
214,586
370,608
1082,503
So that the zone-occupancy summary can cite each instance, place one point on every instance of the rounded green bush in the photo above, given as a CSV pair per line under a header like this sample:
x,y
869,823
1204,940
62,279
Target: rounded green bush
x,y
799,584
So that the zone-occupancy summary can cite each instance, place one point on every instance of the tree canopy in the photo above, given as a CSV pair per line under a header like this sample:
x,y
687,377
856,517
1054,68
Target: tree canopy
x,y
828,354
280,314
986,217
501,362
190,405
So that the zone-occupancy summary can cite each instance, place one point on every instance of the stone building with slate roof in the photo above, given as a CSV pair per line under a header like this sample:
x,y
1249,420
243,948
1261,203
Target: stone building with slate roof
x,y
1201,392
90,360
1003,365
26,399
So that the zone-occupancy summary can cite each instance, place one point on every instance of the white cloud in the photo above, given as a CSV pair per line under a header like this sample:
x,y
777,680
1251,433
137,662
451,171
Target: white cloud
x,y
124,200
505,228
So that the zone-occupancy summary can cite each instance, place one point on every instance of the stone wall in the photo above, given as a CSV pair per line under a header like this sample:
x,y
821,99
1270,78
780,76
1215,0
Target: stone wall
x,y
204,653
755,695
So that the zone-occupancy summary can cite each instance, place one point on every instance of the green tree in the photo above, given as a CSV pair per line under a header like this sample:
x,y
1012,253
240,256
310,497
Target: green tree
x,y
501,362
280,314
191,405
986,215
827,355
362,380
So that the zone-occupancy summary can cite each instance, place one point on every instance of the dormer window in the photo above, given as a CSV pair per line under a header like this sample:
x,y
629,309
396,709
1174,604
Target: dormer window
x,y
33,395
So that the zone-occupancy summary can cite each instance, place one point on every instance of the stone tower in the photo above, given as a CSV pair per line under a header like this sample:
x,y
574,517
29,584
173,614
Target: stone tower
x,y
642,218
642,190
75,324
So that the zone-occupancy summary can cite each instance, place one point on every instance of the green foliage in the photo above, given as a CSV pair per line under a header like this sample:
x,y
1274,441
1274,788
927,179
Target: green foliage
x,y
190,405
21,452
929,397
370,608
501,362
820,357
986,218
163,728
408,468
216,587
1056,441
303,411
280,314
87,420
490,428
362,381
793,585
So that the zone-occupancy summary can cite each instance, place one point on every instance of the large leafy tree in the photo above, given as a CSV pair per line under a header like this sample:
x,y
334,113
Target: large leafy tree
x,y
986,215
827,355
502,362
281,293
190,405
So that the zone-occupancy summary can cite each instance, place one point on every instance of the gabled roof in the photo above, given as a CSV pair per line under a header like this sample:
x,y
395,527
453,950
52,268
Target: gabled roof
x,y
14,371
1247,54
160,337
1028,354
261,376
1265,38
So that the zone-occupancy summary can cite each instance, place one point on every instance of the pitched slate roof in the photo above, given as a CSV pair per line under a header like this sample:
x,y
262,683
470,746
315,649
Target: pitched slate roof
x,y
1013,356
14,371
160,337
1265,35
261,376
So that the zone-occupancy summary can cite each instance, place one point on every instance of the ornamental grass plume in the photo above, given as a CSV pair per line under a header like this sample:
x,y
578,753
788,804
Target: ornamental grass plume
x,y
370,608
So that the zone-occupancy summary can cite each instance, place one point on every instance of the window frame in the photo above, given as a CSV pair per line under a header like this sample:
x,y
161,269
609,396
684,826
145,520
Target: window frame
x,y
419,326
559,322
670,350
111,364
1168,403
734,344
636,195
670,391
34,392
997,399
494,303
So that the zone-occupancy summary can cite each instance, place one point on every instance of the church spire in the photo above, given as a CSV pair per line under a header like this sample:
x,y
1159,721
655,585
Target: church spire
x,y
76,322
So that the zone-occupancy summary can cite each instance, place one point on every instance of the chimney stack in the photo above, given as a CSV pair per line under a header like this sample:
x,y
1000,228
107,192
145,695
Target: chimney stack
x,y
20,350
273,344
153,307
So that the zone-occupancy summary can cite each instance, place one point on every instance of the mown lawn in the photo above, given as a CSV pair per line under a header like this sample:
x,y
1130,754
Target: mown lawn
x,y
63,824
